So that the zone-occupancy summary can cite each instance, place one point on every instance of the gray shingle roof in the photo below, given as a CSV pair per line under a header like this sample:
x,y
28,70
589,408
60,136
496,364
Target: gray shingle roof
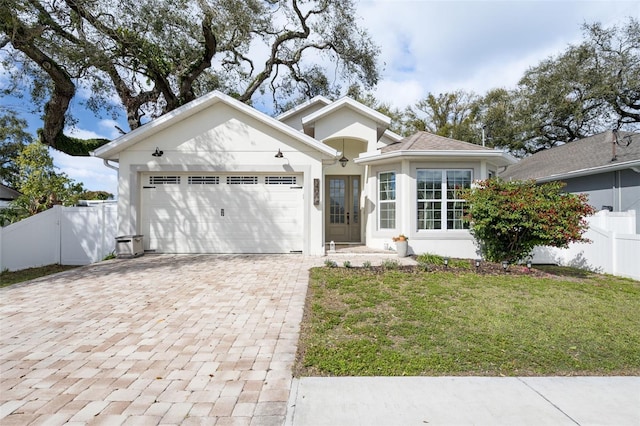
x,y
594,152
423,141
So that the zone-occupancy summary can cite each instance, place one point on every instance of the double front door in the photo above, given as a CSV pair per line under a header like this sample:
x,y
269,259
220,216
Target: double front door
x,y
343,209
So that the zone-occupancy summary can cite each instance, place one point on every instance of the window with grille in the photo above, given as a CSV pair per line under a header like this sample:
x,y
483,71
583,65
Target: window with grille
x,y
387,200
204,180
439,202
164,180
242,180
280,180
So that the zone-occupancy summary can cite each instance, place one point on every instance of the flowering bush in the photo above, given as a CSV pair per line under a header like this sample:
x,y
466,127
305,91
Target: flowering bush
x,y
400,237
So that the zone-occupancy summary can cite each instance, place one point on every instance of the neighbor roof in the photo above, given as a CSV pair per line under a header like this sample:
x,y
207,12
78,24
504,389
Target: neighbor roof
x,y
579,158
426,145
7,193
111,150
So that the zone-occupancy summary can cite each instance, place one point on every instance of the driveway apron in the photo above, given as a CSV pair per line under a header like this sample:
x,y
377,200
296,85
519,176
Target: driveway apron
x,y
161,339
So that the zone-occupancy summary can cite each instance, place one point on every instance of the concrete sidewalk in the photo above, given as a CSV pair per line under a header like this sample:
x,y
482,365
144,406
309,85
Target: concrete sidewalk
x,y
464,401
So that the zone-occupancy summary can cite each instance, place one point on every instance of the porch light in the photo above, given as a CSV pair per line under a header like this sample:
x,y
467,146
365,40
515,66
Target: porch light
x,y
157,153
344,160
279,154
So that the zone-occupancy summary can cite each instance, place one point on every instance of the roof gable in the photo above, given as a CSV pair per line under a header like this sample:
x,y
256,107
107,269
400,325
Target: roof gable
x,y
381,120
111,150
585,156
315,101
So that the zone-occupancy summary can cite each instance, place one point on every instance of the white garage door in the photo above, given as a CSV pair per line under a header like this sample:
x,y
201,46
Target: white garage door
x,y
219,213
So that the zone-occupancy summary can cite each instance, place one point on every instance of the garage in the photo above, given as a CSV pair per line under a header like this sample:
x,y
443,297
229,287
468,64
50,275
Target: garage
x,y
222,213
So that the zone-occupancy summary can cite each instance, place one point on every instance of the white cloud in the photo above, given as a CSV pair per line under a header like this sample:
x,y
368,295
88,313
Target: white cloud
x,y
89,170
400,94
477,45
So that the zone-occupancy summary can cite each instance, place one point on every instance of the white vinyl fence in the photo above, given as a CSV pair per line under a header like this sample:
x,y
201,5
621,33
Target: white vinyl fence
x,y
615,247
64,235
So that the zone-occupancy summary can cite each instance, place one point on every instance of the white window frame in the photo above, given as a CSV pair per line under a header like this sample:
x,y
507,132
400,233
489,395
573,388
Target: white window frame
x,y
444,200
383,201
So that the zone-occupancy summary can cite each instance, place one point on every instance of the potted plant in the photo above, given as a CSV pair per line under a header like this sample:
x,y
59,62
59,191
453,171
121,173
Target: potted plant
x,y
402,245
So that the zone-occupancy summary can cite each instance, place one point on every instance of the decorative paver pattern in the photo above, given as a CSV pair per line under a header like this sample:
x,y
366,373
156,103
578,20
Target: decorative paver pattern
x,y
161,339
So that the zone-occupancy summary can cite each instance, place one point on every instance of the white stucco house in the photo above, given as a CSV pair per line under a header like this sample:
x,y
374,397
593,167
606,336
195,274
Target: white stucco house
x,y
218,176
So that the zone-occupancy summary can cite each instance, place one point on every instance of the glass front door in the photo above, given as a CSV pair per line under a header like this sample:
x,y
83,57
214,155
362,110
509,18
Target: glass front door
x,y
343,209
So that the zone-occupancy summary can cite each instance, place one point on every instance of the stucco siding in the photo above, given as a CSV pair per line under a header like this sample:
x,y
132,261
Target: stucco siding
x,y
346,123
222,140
454,243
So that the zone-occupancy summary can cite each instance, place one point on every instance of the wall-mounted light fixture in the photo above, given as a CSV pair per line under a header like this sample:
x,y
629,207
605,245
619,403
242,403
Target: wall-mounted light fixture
x,y
344,160
279,154
157,153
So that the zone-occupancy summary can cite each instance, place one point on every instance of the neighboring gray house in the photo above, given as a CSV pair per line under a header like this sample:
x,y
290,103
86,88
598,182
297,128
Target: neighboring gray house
x,y
7,195
604,166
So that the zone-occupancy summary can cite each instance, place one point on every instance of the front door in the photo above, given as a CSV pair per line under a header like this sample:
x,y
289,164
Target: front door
x,y
343,209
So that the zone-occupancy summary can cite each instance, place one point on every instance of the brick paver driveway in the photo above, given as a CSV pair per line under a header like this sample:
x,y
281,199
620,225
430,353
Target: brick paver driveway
x,y
155,340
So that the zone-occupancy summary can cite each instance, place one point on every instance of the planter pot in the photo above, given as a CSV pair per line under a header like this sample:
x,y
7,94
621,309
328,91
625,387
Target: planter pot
x,y
401,248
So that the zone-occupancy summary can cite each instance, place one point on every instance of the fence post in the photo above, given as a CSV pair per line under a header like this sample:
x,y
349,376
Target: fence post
x,y
614,253
58,218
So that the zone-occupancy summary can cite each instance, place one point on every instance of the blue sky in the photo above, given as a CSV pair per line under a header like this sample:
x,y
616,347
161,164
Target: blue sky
x,y
426,47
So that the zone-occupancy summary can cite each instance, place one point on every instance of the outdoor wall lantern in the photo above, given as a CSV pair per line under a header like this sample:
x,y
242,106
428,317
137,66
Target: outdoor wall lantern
x,y
279,154
157,153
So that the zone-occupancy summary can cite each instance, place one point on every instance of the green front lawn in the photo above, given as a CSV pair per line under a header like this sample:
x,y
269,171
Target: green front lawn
x,y
361,322
8,278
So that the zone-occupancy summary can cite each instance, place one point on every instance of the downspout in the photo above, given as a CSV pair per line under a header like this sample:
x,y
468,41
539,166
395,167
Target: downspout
x,y
106,163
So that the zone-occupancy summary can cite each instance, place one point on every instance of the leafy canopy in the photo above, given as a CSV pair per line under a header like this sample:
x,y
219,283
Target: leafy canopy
x,y
508,219
13,139
586,89
41,185
148,57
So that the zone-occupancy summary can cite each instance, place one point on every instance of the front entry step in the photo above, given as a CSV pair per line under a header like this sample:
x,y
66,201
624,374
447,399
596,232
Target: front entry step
x,y
356,249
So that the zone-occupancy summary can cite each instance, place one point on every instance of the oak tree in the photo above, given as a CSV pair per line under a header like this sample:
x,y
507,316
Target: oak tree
x,y
148,57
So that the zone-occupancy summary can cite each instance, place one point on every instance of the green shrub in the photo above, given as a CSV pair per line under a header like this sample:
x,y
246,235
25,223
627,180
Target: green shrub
x,y
509,219
390,264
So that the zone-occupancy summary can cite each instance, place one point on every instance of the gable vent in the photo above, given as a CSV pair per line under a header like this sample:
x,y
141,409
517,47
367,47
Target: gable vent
x,y
164,180
280,180
204,180
242,180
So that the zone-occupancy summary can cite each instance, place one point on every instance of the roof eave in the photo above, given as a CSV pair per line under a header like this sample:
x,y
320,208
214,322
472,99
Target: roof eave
x,y
590,171
303,106
111,150
499,157
382,121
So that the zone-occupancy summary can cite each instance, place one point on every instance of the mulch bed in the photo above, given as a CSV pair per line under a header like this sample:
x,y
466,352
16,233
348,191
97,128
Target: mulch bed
x,y
485,268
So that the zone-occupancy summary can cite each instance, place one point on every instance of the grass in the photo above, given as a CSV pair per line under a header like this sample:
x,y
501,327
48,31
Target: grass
x,y
389,322
8,278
